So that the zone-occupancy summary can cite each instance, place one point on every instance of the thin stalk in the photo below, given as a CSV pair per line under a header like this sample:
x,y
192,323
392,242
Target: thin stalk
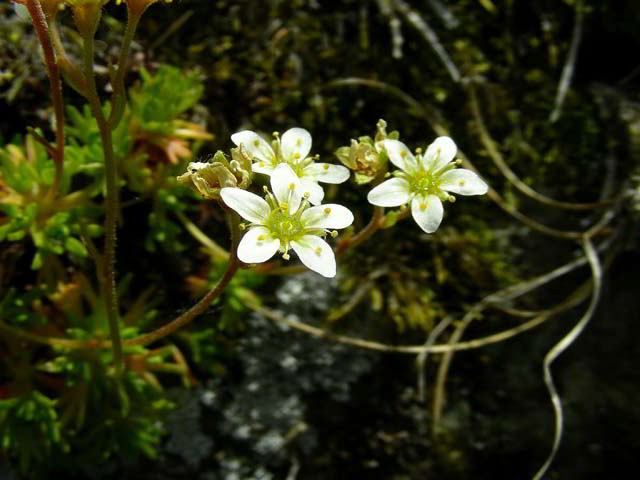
x,y
119,96
145,339
216,250
501,164
42,31
108,284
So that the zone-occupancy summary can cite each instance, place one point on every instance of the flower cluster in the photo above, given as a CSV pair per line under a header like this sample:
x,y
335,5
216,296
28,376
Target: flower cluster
x,y
285,220
425,180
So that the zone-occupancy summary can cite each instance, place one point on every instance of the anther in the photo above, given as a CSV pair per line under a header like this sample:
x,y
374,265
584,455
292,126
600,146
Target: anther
x,y
418,151
296,156
334,233
451,198
286,256
261,238
306,195
327,211
265,189
292,186
276,135
458,161
242,226
326,166
256,143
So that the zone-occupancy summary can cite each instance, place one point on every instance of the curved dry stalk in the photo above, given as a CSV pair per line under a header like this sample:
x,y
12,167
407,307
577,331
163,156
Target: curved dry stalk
x,y
429,36
357,297
570,63
421,359
498,160
562,345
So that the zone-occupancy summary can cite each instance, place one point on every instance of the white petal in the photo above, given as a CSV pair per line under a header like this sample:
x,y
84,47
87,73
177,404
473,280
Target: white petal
x,y
255,145
257,246
400,155
442,151
427,212
463,182
316,193
316,254
248,205
295,145
263,167
286,187
327,172
330,215
391,193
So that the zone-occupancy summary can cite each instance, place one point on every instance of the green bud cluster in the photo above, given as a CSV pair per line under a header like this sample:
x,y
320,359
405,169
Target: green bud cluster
x,y
365,156
207,178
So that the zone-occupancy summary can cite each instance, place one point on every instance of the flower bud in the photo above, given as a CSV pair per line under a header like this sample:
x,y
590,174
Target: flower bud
x,y
207,178
364,158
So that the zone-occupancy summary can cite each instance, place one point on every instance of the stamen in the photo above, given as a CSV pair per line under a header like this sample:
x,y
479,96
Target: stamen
x,y
458,161
418,151
334,233
306,195
296,156
261,238
451,198
286,256
242,226
276,135
256,143
292,186
265,189
326,166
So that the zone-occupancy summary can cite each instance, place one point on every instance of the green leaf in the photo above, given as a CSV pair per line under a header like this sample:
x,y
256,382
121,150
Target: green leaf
x,y
75,247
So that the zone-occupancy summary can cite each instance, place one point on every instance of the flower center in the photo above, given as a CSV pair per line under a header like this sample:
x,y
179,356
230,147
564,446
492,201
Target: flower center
x,y
283,226
424,183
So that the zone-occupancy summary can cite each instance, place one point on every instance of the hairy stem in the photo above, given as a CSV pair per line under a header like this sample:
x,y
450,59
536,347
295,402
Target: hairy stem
x,y
119,96
42,31
108,283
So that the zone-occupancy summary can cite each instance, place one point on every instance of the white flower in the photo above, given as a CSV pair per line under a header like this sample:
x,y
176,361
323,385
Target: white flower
x,y
424,180
285,221
293,149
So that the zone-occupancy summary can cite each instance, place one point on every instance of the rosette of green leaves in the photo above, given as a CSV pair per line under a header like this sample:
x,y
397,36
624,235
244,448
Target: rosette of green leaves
x,y
26,174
